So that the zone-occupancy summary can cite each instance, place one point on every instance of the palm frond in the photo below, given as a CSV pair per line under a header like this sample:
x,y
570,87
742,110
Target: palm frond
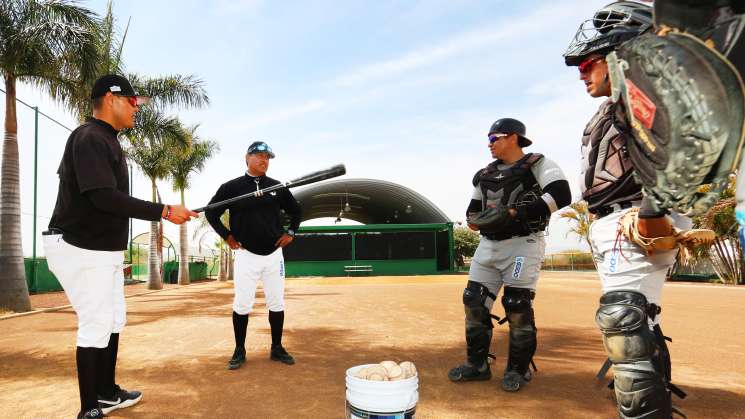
x,y
193,161
179,91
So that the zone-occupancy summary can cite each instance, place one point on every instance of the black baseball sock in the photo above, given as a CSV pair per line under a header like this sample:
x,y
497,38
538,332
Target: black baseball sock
x,y
240,324
107,367
87,360
277,322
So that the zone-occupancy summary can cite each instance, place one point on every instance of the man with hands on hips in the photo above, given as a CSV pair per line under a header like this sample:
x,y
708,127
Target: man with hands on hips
x,y
256,233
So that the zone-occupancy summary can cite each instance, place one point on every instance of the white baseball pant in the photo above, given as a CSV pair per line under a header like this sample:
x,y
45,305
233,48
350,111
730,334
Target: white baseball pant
x,y
93,281
623,265
514,262
249,269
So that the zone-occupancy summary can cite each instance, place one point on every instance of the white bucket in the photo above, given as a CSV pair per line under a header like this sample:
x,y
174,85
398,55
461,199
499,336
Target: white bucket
x,y
367,399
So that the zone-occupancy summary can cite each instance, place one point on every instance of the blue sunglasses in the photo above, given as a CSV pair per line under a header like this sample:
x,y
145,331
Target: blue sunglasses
x,y
496,137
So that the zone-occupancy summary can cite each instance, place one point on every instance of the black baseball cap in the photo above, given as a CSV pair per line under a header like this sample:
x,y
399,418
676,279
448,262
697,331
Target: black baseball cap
x,y
118,86
260,147
511,126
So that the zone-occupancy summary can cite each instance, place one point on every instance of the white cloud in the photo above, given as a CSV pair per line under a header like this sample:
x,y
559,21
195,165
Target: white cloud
x,y
466,41
282,114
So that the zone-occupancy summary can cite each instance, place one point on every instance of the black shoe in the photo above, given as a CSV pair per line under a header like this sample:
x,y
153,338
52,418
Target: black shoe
x,y
239,357
121,399
91,414
513,380
280,354
466,372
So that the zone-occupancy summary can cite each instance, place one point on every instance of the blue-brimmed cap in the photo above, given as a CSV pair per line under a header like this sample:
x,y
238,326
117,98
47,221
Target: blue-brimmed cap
x,y
260,147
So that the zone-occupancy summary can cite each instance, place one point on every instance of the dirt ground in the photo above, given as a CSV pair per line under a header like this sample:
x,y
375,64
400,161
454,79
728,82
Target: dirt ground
x,y
177,343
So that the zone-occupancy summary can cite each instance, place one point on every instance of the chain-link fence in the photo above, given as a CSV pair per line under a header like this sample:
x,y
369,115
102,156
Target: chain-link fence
x,y
570,261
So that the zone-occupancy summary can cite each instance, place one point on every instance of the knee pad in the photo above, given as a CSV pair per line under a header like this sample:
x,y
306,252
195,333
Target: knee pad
x,y
622,317
518,306
474,301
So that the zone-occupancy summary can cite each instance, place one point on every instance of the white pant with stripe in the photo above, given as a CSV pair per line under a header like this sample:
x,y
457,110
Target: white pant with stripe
x,y
623,265
93,281
249,269
514,262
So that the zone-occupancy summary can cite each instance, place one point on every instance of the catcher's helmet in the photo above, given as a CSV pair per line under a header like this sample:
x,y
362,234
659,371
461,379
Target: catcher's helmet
x,y
609,27
511,126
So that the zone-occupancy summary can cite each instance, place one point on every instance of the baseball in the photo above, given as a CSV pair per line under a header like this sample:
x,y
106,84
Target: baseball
x,y
387,371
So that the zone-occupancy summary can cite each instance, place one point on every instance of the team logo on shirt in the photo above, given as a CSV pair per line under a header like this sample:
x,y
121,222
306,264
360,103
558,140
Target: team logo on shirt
x,y
519,261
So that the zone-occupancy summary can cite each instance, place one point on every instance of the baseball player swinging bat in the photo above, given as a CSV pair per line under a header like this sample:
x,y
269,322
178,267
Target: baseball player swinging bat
x,y
332,172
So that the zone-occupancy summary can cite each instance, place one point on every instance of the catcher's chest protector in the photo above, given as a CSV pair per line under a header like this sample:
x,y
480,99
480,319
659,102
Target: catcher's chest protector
x,y
606,168
506,186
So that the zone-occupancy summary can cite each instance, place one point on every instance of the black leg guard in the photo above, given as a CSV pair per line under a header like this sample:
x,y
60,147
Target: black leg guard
x,y
663,363
523,334
478,322
632,348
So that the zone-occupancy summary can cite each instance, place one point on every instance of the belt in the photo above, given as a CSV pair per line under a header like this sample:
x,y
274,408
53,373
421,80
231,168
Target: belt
x,y
502,236
51,232
610,209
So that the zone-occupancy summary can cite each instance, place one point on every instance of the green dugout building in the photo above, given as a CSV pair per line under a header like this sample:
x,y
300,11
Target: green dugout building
x,y
403,233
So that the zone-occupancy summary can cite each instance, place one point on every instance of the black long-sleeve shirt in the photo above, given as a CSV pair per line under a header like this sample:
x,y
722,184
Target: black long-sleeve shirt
x,y
93,205
256,223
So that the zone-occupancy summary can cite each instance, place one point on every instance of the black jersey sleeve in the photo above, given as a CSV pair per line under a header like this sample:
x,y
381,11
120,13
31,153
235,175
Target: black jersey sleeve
x,y
213,216
118,203
475,205
557,192
291,207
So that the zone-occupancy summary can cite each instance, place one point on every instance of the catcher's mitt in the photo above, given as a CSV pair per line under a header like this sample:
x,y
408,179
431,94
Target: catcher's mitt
x,y
683,104
685,240
492,220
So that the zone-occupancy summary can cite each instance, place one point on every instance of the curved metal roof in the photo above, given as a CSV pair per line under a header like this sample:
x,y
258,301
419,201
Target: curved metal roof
x,y
371,201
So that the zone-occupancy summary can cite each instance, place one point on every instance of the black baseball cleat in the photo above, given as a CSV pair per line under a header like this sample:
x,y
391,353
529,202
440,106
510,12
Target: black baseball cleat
x,y
513,380
239,357
91,414
280,354
466,372
121,399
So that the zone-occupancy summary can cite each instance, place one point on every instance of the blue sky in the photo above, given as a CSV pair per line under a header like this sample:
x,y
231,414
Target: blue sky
x,y
403,91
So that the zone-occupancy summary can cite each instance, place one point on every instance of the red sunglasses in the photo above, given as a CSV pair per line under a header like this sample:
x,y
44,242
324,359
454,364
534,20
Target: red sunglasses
x,y
132,100
587,64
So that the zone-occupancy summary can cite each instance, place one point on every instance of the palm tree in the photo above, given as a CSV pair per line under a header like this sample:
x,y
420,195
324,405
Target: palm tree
x,y
43,43
75,93
152,143
726,255
181,169
226,257
580,220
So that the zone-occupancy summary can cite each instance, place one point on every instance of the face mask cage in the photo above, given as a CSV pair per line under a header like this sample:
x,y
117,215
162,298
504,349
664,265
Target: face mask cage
x,y
592,30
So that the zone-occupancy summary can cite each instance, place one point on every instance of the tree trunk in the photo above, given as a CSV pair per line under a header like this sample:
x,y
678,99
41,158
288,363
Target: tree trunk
x,y
222,275
154,280
13,287
231,261
183,265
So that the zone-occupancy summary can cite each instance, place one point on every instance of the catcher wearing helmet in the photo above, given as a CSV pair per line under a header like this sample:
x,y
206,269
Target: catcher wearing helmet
x,y
634,242
513,199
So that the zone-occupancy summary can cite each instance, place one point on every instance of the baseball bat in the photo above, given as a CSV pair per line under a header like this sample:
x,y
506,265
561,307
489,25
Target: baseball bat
x,y
314,177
